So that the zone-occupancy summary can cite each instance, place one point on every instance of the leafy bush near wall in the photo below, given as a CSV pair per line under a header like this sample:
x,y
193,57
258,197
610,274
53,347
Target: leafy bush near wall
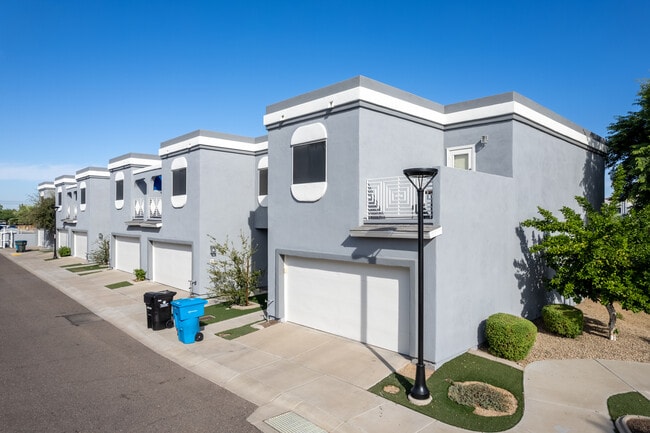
x,y
563,320
64,252
509,336
140,274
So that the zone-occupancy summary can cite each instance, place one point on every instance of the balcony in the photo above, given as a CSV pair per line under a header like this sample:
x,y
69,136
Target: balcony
x,y
392,209
394,198
154,213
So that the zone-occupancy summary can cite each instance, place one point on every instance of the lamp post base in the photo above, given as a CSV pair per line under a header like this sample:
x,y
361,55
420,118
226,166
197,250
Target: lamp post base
x,y
417,402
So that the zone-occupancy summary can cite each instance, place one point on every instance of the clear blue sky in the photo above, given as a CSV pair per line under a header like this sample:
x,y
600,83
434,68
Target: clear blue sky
x,y
83,81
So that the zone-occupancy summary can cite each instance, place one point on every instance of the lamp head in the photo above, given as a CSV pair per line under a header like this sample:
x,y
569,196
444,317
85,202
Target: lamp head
x,y
420,177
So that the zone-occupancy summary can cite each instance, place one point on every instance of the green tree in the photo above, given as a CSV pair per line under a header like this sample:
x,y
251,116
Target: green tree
x,y
232,274
629,151
42,213
602,257
23,215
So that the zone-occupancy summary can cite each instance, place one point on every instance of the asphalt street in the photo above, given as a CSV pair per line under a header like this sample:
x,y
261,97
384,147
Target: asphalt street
x,y
64,369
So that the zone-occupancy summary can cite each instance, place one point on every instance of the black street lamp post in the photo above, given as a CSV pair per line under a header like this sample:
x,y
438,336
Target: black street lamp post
x,y
420,178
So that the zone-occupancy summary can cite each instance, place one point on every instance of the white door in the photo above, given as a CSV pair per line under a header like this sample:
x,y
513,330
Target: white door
x,y
80,242
127,253
363,302
172,264
62,238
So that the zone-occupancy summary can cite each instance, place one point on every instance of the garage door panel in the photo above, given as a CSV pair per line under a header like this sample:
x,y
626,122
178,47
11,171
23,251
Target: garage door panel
x,y
172,264
80,245
368,303
127,253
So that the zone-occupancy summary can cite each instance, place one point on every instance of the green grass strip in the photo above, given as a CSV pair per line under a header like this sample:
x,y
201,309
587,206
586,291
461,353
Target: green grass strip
x,y
222,312
118,285
72,265
231,334
466,367
629,403
87,268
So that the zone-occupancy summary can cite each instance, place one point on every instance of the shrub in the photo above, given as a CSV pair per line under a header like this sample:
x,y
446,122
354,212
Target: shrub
x,y
102,254
140,274
509,336
64,251
478,394
563,320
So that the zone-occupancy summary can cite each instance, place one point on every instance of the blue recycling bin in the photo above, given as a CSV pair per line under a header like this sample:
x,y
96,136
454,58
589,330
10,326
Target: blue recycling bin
x,y
186,313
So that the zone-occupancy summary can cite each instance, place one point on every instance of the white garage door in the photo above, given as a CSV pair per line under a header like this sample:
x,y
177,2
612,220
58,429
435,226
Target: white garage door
x,y
127,253
172,264
61,238
80,241
367,303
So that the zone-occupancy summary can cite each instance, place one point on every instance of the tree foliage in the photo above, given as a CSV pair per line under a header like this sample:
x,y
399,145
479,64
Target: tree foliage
x,y
601,256
232,274
41,213
629,151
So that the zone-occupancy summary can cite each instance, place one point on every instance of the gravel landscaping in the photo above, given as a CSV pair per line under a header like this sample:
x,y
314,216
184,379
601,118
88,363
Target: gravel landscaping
x,y
632,344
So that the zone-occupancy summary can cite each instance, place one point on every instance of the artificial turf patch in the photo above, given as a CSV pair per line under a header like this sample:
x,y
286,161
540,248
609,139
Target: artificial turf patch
x,y
118,285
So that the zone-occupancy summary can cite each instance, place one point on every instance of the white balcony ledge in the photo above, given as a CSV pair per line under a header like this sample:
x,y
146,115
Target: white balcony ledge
x,y
395,231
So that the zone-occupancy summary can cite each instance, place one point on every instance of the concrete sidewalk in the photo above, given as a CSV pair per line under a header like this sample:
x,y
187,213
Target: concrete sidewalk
x,y
319,381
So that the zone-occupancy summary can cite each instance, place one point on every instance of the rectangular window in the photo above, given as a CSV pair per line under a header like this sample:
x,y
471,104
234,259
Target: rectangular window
x,y
309,163
462,157
83,195
157,183
179,181
263,181
119,190
58,199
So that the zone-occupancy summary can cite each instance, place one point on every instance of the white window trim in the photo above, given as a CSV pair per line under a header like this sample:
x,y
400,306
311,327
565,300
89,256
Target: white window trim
x,y
82,186
263,164
178,201
462,150
119,204
313,191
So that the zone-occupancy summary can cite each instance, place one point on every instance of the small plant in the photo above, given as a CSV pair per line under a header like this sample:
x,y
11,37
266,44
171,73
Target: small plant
x,y
563,320
140,274
64,251
232,275
483,395
102,254
509,336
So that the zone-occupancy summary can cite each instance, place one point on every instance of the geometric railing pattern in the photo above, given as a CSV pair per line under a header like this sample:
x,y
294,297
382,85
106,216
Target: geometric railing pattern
x,y
394,197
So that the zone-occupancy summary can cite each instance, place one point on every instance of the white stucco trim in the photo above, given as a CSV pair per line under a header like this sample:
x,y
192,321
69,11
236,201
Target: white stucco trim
x,y
308,192
92,173
215,142
397,104
131,161
155,166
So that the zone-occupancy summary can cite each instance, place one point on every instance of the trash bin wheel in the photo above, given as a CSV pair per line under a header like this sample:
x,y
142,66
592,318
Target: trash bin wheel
x,y
198,337
169,324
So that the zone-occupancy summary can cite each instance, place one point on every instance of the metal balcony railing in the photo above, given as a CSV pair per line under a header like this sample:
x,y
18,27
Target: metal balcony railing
x,y
155,207
138,209
394,197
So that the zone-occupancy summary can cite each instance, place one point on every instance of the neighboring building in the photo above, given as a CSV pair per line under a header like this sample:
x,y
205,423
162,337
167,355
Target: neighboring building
x,y
202,184
342,248
93,215
65,198
45,239
324,198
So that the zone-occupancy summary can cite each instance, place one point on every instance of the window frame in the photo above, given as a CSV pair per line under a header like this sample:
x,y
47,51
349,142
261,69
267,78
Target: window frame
x,y
119,188
309,135
469,150
82,196
178,199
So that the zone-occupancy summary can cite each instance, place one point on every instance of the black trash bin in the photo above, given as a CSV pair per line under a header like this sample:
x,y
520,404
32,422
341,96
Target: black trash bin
x,y
159,309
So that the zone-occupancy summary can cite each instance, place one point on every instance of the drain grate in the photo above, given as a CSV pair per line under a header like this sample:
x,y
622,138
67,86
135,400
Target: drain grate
x,y
291,422
81,318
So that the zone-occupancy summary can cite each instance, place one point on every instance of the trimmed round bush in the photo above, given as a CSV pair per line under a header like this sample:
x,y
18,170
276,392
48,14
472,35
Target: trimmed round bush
x,y
563,320
64,251
510,337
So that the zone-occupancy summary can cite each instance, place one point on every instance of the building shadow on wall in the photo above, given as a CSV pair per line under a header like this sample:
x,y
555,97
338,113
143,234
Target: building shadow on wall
x,y
531,272
593,181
